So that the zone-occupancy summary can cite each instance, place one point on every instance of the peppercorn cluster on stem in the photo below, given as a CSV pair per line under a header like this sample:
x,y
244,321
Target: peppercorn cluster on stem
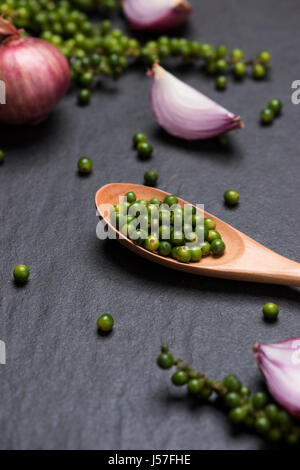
x,y
257,412
98,49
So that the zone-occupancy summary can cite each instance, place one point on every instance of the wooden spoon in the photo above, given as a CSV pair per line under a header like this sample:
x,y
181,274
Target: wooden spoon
x,y
243,260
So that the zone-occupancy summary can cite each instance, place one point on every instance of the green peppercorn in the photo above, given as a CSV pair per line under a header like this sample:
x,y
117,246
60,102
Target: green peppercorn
x,y
130,197
197,221
259,400
153,211
177,238
123,62
151,243
221,82
239,69
165,232
105,323
195,48
205,248
1,157
128,229
245,391
190,210
156,201
144,149
180,378
284,419
139,137
114,60
137,208
123,207
165,360
271,411
86,79
221,51
217,247
21,273
164,248
206,51
195,386
138,236
231,197
259,71
232,400
209,223
171,200
206,392
275,105
262,425
84,96
150,177
174,252
85,165
221,65
264,57
270,311
211,67
70,28
232,383
129,219
238,415
184,254
105,26
213,235
95,59
185,51
164,50
196,253
267,116
237,54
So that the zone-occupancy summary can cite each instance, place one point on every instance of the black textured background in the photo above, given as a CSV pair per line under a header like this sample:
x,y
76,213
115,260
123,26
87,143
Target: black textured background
x,y
64,386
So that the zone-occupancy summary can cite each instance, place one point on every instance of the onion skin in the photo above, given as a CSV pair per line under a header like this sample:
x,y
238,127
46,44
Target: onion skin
x,y
156,15
186,113
279,363
36,75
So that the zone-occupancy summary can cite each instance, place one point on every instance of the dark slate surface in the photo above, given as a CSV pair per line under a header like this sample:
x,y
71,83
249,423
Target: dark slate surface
x,y
64,386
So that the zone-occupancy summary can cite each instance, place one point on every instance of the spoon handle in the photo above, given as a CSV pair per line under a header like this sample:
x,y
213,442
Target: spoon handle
x,y
286,278
275,270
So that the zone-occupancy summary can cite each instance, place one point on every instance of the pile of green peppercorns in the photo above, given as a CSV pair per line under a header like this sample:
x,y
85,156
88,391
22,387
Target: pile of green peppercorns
x,y
164,227
257,412
98,49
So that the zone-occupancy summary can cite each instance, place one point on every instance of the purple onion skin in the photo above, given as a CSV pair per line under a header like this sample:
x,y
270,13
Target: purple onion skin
x,y
36,76
279,364
169,18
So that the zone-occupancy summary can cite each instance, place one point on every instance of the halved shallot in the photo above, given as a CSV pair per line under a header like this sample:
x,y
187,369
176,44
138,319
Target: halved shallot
x,y
184,112
156,15
279,364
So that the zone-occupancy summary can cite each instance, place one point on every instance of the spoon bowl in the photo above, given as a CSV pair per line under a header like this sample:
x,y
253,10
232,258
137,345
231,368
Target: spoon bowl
x,y
244,259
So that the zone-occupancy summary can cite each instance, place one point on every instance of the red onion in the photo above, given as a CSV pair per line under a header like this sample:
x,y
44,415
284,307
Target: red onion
x,y
279,364
156,15
36,76
185,112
